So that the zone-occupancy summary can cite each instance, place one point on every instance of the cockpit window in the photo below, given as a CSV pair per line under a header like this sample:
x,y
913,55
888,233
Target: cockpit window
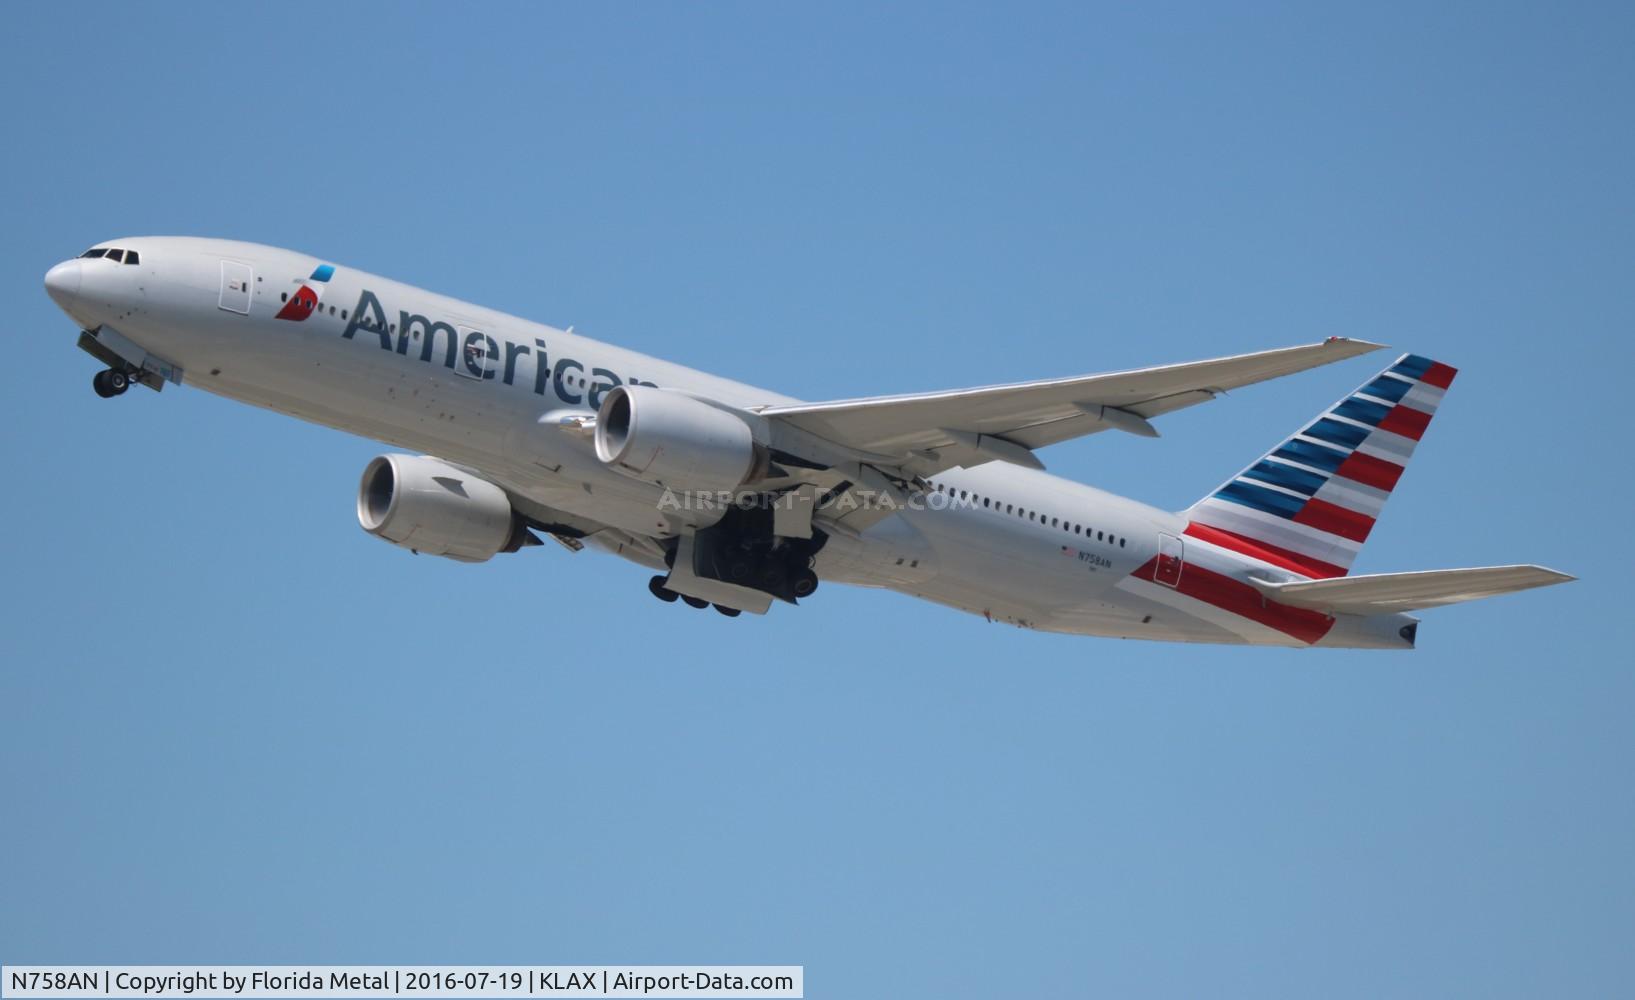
x,y
114,254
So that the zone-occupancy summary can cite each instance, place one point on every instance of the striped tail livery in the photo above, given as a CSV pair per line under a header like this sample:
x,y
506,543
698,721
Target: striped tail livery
x,y
1308,505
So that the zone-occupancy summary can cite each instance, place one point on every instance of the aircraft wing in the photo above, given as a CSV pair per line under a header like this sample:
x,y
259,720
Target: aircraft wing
x,y
1383,593
925,433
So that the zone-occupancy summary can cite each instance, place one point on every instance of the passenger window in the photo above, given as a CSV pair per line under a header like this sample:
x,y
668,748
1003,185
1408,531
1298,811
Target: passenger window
x,y
283,296
1121,543
132,257
1098,537
343,314
1078,529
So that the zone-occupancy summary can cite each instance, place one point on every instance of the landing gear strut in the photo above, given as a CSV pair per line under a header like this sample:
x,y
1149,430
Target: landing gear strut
x,y
743,549
110,383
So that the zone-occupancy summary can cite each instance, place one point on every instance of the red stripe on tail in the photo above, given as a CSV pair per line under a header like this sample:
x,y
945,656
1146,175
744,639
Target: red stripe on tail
x,y
1254,548
1370,471
1335,520
1407,421
1439,375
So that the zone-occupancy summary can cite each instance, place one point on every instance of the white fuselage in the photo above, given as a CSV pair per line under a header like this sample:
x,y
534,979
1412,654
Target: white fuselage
x,y
470,385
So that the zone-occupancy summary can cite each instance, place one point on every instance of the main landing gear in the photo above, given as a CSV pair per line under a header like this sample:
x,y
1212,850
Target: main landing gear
x,y
657,588
110,383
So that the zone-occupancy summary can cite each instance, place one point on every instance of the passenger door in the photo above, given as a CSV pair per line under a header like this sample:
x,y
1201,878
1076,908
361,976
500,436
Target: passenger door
x,y
1171,560
473,361
237,285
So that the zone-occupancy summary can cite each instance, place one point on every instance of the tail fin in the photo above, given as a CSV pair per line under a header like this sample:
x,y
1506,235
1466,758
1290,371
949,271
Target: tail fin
x,y
1309,504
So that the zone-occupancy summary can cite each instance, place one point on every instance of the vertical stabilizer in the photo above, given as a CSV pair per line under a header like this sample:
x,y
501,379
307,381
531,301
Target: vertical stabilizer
x,y
1309,504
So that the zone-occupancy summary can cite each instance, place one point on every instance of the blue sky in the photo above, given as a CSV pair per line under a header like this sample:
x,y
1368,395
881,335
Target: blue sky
x,y
237,729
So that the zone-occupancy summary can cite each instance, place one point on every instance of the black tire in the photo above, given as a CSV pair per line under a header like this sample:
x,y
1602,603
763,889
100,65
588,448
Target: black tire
x,y
804,583
118,381
99,383
695,602
656,587
729,612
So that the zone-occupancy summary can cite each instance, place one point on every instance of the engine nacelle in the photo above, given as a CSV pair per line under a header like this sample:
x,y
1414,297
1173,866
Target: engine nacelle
x,y
429,506
670,439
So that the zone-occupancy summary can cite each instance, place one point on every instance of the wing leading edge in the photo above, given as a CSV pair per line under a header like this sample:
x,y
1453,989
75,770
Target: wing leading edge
x,y
929,432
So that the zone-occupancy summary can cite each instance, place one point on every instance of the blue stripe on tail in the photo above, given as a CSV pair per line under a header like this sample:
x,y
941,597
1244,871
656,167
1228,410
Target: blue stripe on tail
x,y
1261,499
1311,453
1286,476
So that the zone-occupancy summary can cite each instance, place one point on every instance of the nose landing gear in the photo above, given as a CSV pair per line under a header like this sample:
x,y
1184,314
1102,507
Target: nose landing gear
x,y
110,383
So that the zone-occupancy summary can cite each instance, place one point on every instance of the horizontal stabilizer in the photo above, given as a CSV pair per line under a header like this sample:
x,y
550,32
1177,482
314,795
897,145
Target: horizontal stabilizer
x,y
1384,593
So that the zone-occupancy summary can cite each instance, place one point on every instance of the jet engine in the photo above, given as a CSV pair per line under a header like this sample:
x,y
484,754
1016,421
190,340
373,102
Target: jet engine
x,y
429,506
670,439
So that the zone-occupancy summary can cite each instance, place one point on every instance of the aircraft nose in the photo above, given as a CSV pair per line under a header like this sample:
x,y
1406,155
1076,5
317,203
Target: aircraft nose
x,y
62,282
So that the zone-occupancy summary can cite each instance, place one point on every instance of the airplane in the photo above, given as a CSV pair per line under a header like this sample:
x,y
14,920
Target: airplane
x,y
736,497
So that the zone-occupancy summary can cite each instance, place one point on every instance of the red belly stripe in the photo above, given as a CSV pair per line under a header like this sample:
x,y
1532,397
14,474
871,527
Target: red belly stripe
x,y
1238,598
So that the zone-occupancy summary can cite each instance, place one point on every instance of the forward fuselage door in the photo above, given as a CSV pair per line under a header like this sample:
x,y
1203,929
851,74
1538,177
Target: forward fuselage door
x,y
237,285
476,358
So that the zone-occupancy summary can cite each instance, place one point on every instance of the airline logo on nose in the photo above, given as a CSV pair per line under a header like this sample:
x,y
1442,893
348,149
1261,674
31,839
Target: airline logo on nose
x,y
305,301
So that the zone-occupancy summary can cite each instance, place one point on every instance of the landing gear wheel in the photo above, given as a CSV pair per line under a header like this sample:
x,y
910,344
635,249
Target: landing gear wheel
x,y
695,602
110,383
656,587
803,583
729,612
